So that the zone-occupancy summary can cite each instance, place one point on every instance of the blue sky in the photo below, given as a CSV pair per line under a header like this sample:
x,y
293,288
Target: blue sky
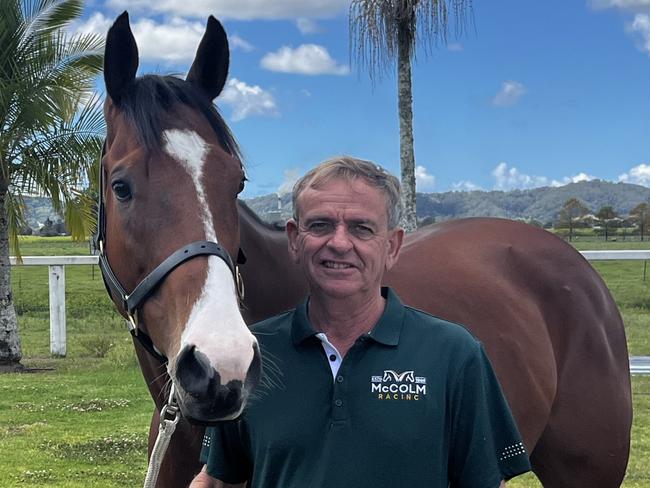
x,y
534,94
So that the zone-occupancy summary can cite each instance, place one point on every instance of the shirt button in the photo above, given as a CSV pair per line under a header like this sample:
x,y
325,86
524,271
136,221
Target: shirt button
x,y
339,379
338,402
332,357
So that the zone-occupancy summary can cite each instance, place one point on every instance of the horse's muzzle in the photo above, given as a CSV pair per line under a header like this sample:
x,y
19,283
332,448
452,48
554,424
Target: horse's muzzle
x,y
202,398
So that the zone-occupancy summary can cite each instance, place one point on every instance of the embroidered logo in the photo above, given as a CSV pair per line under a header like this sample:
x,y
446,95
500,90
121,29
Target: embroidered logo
x,y
398,386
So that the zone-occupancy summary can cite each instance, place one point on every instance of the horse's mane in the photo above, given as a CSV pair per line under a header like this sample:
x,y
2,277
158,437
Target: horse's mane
x,y
274,226
150,98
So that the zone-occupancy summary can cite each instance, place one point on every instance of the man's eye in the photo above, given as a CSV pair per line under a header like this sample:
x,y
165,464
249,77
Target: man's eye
x,y
320,228
361,231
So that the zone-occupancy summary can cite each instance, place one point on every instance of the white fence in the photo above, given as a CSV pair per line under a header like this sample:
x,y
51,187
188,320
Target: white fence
x,y
57,265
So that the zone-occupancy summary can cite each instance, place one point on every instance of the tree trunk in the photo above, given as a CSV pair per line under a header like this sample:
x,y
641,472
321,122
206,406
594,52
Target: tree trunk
x,y
10,350
405,108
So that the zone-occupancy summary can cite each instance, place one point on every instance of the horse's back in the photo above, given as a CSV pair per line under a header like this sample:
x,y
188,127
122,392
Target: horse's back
x,y
550,327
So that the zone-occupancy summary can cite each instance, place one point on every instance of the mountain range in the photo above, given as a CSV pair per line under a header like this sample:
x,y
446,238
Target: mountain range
x,y
541,204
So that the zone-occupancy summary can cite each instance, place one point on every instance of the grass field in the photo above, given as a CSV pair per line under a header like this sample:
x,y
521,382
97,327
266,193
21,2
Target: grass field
x,y
82,421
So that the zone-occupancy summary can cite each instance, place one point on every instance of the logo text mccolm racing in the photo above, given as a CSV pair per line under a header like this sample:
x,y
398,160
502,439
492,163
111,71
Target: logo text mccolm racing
x,y
398,386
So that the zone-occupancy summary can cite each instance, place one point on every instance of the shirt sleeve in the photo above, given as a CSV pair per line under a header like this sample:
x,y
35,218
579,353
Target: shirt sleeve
x,y
225,454
486,446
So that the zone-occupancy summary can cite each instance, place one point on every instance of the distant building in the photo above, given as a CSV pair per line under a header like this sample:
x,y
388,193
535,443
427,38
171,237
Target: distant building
x,y
275,215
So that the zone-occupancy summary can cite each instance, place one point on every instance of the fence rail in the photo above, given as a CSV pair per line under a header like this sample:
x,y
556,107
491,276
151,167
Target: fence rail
x,y
57,265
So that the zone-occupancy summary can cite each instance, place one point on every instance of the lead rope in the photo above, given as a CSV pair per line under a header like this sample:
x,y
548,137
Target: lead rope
x,y
165,431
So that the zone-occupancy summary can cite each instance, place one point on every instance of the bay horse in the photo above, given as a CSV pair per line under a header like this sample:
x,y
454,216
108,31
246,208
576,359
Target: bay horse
x,y
173,172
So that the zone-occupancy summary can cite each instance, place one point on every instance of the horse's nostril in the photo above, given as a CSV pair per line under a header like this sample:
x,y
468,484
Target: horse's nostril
x,y
194,372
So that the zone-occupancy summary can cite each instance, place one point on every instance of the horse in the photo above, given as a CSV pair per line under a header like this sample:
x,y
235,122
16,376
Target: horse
x,y
548,322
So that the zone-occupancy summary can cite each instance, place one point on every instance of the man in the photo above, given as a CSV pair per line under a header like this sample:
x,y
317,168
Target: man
x,y
362,390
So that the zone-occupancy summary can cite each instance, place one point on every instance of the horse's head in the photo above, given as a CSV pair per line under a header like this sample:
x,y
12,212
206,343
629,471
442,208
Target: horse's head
x,y
171,175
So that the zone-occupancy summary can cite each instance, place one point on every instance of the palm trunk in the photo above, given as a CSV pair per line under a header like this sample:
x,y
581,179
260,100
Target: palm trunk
x,y
10,350
405,108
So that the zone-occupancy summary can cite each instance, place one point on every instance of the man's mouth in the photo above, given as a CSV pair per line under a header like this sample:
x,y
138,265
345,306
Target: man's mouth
x,y
335,265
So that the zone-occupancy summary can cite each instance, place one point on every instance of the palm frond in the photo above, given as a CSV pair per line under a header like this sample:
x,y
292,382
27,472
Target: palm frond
x,y
43,17
378,26
80,214
15,207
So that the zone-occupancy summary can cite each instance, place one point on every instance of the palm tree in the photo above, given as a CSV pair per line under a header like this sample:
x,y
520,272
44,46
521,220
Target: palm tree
x,y
50,128
383,32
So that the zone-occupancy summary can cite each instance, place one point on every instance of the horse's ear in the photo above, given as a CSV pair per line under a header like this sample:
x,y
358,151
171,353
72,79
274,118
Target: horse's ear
x,y
120,57
210,67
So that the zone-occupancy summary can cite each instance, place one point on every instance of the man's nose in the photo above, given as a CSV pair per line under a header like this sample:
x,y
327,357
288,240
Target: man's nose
x,y
341,240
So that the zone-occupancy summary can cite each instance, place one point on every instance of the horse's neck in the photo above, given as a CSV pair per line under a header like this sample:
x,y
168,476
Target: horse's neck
x,y
273,282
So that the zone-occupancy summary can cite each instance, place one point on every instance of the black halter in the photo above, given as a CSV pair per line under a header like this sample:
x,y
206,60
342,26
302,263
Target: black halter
x,y
132,302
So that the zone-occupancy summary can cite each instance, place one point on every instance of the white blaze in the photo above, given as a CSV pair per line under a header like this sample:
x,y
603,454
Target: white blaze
x,y
189,149
215,325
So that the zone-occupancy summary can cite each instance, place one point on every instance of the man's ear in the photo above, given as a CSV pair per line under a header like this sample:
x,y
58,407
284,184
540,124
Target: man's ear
x,y
292,235
394,243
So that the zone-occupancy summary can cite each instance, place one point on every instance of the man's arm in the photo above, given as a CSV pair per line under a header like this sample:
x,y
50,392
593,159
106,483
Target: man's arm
x,y
204,480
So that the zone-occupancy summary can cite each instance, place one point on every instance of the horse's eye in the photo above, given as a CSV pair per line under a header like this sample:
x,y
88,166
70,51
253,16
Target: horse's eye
x,y
122,190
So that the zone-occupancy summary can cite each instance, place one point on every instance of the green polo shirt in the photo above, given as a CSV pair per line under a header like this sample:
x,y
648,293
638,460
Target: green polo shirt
x,y
414,403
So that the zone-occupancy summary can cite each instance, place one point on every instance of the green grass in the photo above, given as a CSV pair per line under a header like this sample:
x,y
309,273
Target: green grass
x,y
84,423
82,420
593,244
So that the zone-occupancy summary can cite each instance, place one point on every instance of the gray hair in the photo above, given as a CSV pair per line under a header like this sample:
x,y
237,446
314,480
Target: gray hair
x,y
350,168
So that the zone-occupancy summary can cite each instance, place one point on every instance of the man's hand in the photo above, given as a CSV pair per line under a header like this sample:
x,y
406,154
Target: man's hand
x,y
204,480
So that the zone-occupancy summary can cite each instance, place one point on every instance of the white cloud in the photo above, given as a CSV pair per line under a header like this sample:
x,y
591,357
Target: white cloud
x,y
307,26
572,179
247,101
641,27
291,175
173,41
95,24
236,42
622,4
306,59
236,9
465,185
423,180
639,175
511,178
510,93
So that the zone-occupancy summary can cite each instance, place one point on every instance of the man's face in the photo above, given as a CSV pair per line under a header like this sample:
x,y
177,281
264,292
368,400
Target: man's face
x,y
342,238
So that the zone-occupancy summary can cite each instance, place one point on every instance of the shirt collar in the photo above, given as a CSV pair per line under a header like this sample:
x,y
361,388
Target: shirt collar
x,y
386,331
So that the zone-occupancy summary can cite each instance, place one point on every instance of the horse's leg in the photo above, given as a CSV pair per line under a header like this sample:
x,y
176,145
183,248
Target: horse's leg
x,y
586,442
181,461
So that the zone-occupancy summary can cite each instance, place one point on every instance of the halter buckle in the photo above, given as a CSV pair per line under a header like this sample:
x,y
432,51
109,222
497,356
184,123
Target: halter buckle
x,y
132,323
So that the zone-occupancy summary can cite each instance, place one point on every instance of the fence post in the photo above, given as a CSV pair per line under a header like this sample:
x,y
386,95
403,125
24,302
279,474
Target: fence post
x,y
57,310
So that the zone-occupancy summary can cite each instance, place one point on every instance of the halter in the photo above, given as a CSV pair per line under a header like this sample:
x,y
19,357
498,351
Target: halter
x,y
132,302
